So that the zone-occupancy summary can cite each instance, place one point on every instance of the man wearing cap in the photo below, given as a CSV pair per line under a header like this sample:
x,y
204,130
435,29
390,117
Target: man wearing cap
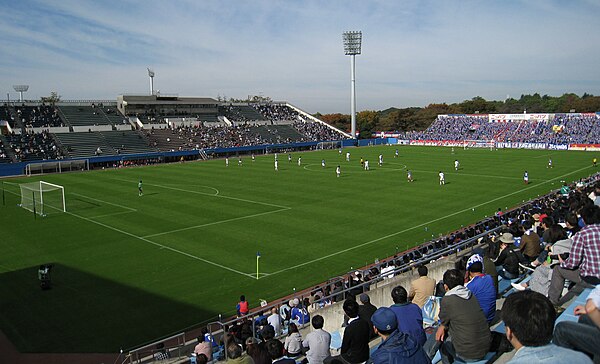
x,y
366,310
397,347
509,258
421,288
482,286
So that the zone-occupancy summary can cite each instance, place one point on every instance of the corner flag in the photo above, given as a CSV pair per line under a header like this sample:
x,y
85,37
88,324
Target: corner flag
x,y
257,258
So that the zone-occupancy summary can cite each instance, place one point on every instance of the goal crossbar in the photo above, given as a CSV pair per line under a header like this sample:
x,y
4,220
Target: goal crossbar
x,y
40,196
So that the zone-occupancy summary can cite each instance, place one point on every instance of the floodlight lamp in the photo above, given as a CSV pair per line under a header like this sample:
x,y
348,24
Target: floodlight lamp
x,y
352,42
21,88
150,72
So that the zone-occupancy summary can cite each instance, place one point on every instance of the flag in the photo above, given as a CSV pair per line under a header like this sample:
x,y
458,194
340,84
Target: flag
x,y
257,254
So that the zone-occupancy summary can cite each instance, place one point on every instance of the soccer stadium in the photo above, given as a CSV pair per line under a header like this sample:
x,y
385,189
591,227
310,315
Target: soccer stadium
x,y
154,227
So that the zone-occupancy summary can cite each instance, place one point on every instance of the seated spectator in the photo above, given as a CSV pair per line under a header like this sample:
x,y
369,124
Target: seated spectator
x,y
317,342
203,347
355,343
464,332
235,355
409,315
293,342
529,318
299,313
275,350
396,347
421,288
584,335
482,286
540,279
508,260
275,320
257,352
582,267
530,242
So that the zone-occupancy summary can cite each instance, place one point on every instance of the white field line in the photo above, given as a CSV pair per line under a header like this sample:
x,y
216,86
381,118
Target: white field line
x,y
156,244
209,194
106,202
113,214
420,225
216,222
471,175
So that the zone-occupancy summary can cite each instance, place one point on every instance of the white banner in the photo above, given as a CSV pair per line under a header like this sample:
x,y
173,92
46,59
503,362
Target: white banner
x,y
498,118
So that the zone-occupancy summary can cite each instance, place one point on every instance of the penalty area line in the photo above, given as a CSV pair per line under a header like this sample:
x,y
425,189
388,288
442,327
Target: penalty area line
x,y
422,224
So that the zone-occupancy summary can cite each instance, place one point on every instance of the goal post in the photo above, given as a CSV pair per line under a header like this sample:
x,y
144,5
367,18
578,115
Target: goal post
x,y
490,144
42,197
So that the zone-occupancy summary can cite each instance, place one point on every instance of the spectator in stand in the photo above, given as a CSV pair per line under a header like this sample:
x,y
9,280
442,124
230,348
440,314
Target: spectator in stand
x,y
275,320
396,347
203,347
409,315
464,332
317,342
482,286
421,288
355,343
530,241
366,310
582,267
584,335
275,350
235,355
257,352
299,313
508,260
242,307
529,318
293,342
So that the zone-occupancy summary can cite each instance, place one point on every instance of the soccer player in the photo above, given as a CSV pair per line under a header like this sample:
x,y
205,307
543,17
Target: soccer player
x,y
409,176
526,178
276,165
594,162
140,189
442,178
366,165
396,153
323,163
362,162
289,158
239,161
380,160
456,164
275,156
338,171
253,157
299,161
549,163
226,161
348,157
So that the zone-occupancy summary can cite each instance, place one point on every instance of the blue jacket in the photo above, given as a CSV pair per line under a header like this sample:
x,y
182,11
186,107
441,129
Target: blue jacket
x,y
549,354
410,321
484,290
399,348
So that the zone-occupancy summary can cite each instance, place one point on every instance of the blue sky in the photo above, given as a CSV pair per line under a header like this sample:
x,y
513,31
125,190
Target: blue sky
x,y
414,52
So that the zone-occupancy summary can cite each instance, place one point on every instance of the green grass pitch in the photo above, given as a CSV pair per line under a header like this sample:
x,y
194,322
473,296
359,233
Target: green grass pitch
x,y
130,269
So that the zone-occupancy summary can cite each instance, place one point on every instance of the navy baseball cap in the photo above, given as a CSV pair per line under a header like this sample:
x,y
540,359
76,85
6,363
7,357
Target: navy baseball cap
x,y
384,319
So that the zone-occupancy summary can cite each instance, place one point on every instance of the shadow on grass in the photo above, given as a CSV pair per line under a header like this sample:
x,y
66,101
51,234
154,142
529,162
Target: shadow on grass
x,y
83,313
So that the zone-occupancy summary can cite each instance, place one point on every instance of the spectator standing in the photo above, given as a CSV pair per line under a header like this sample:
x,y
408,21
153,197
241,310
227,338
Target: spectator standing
x,y
366,310
409,315
317,341
529,318
396,347
421,288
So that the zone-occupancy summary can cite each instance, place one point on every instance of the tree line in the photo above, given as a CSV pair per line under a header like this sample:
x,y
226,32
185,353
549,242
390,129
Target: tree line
x,y
419,118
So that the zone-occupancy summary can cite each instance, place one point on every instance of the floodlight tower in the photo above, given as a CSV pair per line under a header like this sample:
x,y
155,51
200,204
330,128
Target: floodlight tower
x,y
352,44
151,74
20,89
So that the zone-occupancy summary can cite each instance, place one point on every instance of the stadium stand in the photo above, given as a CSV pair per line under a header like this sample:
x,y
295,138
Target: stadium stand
x,y
5,114
41,116
84,115
4,151
127,142
78,145
241,114
34,146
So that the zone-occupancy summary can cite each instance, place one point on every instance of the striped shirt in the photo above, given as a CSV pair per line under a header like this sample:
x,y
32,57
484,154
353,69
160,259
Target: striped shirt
x,y
585,252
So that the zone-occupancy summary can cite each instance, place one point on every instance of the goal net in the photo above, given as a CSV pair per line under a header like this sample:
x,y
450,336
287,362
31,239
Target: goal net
x,y
490,144
42,197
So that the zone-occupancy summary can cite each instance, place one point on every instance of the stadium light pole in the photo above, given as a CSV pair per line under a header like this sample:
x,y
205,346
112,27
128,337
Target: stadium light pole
x,y
352,45
151,75
20,89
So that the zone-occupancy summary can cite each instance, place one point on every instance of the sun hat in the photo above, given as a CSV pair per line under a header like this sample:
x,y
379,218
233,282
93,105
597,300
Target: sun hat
x,y
507,238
